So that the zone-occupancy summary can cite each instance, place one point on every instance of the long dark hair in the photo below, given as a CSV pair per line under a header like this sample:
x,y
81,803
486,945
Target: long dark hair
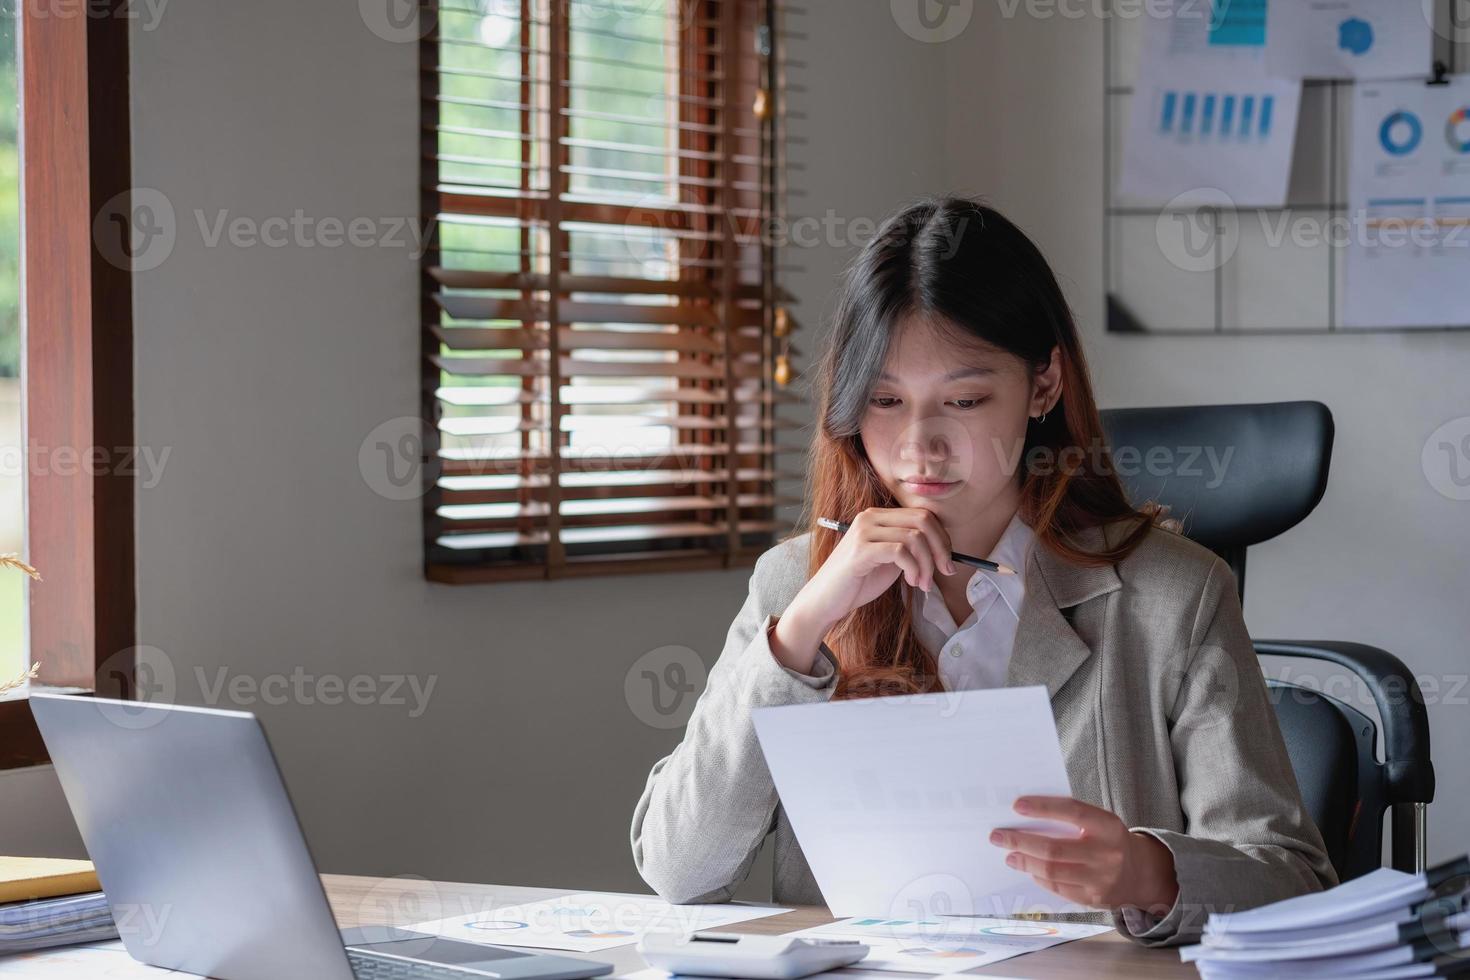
x,y
965,267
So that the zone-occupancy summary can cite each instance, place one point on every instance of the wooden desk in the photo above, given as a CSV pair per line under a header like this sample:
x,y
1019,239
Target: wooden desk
x,y
404,901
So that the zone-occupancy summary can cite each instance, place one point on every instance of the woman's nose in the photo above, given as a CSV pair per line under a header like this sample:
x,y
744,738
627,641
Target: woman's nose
x,y
924,447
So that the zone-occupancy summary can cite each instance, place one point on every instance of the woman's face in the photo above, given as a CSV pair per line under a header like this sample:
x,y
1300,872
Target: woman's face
x,y
946,422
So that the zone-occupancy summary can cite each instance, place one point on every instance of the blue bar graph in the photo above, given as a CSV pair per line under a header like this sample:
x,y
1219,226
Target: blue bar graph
x,y
1216,116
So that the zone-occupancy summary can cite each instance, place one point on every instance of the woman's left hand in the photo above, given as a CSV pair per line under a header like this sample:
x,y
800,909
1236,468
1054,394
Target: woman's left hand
x,y
1108,865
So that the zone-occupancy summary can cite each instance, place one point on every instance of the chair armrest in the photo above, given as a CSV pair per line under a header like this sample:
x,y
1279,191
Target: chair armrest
x,y
1408,767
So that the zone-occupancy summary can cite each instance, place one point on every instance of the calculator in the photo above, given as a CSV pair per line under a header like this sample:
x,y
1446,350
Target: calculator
x,y
723,954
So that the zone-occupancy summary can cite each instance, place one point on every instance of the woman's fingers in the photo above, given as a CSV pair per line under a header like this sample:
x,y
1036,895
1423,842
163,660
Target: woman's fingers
x,y
1060,872
936,544
1068,810
938,540
934,533
1067,890
915,544
897,553
1042,845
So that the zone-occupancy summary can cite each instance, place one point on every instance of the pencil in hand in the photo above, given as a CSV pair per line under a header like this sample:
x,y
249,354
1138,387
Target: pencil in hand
x,y
961,557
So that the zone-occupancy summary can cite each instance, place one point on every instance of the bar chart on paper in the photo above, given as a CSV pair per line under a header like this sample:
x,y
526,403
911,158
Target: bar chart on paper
x,y
1225,117
1206,124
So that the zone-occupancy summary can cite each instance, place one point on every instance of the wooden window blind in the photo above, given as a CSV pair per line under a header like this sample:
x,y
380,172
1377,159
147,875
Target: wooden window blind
x,y
605,344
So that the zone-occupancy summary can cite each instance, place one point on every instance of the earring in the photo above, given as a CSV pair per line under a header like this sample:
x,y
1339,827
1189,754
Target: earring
x,y
1038,419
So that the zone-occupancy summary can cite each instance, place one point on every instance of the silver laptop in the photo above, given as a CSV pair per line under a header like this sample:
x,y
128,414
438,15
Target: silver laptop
x,y
184,813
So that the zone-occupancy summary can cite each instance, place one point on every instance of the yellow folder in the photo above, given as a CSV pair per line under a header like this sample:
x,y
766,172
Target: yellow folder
x,y
25,878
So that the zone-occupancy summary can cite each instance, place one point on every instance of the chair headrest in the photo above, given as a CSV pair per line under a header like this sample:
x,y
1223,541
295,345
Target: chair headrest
x,y
1235,475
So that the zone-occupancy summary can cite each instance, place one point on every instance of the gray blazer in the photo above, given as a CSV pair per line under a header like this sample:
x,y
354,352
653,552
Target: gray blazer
x,y
1159,702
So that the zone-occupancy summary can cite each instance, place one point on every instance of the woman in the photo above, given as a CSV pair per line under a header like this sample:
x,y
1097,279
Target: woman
x,y
957,415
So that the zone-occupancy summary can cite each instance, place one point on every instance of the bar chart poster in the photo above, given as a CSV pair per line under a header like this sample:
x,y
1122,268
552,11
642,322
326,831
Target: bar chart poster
x,y
1205,118
1408,246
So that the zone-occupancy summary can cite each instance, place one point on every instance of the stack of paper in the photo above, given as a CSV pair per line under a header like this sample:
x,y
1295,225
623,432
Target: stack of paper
x,y
55,922
1386,924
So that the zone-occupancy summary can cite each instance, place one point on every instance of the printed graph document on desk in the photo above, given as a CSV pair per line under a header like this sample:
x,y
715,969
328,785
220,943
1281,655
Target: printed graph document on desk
x,y
588,921
109,960
846,973
950,944
893,799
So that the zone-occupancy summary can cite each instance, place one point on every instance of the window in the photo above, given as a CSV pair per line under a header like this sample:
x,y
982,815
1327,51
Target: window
x,y
14,657
77,360
605,345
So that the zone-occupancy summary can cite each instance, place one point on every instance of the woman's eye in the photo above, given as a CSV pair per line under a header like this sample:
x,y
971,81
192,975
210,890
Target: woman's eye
x,y
882,401
968,402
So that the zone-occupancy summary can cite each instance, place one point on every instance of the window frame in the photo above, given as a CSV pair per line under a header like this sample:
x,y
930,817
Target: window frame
x,y
78,360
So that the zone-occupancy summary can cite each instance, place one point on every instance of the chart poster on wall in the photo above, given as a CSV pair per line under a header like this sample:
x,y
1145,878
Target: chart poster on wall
x,y
1205,116
1363,39
1408,250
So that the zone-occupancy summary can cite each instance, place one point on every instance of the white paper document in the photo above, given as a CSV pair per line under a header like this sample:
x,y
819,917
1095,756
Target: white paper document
x,y
950,944
1408,205
69,962
1205,119
893,799
588,921
846,973
1347,39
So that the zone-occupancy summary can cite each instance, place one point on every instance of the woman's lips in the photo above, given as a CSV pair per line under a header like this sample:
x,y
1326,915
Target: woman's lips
x,y
930,489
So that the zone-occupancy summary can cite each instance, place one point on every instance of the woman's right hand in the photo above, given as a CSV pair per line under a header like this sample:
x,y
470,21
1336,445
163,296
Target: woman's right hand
x,y
881,544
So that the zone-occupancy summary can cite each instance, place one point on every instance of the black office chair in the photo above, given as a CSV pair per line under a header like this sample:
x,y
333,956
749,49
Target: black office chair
x,y
1273,476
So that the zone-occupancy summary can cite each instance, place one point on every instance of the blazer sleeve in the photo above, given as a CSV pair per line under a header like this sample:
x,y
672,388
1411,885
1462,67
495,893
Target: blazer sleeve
x,y
1249,839
709,804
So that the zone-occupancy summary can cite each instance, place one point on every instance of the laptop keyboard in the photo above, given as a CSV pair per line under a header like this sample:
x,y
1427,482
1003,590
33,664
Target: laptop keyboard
x,y
369,966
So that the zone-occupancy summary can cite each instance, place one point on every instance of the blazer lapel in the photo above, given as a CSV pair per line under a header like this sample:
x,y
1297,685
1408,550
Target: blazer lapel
x,y
1047,650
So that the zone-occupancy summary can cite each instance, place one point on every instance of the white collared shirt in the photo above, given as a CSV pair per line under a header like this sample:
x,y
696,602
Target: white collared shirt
x,y
976,653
